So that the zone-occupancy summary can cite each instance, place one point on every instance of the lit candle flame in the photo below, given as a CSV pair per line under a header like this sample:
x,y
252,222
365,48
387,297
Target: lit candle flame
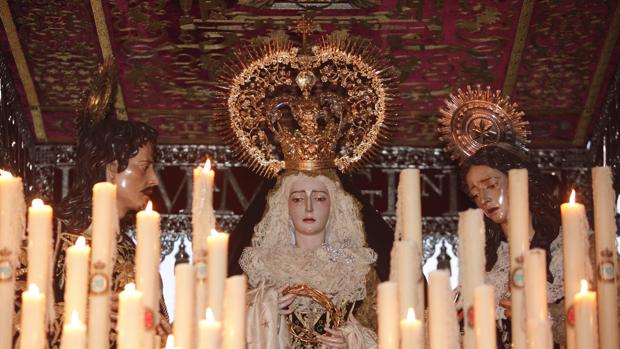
x,y
209,316
214,232
207,166
149,206
584,286
572,197
170,342
75,318
411,315
33,288
130,287
80,242
5,174
37,203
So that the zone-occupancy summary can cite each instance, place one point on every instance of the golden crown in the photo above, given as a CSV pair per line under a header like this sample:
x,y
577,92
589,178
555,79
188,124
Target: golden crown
x,y
475,118
327,106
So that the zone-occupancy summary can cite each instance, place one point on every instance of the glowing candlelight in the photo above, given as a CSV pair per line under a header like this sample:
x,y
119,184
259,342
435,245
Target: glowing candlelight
x,y
130,325
33,318
170,342
203,220
74,333
209,336
148,252
37,203
40,223
411,331
574,242
586,329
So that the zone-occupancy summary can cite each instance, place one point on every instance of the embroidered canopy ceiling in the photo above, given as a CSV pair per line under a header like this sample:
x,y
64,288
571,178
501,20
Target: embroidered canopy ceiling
x,y
555,58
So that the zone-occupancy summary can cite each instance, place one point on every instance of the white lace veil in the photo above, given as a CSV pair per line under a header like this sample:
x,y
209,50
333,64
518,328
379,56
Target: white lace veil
x,y
338,267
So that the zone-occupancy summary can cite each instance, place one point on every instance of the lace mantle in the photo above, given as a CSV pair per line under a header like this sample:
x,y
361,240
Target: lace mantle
x,y
499,275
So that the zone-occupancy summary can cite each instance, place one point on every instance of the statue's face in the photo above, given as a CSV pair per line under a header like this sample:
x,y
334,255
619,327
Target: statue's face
x,y
308,206
489,189
136,182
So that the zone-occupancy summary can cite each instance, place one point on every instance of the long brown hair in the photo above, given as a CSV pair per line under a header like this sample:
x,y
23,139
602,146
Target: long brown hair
x,y
107,141
544,206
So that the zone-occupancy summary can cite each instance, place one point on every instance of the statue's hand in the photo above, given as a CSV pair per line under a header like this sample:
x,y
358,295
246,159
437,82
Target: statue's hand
x,y
507,305
285,301
335,339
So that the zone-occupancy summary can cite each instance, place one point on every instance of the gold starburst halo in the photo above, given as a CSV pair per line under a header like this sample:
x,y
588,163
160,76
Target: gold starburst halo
x,y
475,118
330,108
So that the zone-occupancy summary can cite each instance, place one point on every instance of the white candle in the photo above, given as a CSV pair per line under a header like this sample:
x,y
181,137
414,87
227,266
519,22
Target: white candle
x,y
209,335
539,334
39,244
105,228
130,326
410,222
184,310
170,343
443,326
203,220
411,332
586,328
73,333
603,196
537,326
12,228
535,267
76,283
574,244
202,206
235,313
519,228
147,268
471,263
105,222
484,317
409,271
387,315
409,196
33,319
218,268
12,210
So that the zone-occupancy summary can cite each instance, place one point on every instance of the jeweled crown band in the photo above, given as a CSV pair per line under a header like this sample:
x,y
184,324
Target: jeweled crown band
x,y
309,165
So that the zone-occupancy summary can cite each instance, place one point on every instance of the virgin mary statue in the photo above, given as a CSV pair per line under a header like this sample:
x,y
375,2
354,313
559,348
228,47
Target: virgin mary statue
x,y
313,249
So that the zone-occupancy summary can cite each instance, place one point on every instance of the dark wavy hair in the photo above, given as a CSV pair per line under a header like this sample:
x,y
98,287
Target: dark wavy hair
x,y
544,206
107,141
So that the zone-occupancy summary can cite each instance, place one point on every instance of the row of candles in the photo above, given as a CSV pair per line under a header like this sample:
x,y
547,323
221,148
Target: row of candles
x,y
195,296
88,274
592,319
